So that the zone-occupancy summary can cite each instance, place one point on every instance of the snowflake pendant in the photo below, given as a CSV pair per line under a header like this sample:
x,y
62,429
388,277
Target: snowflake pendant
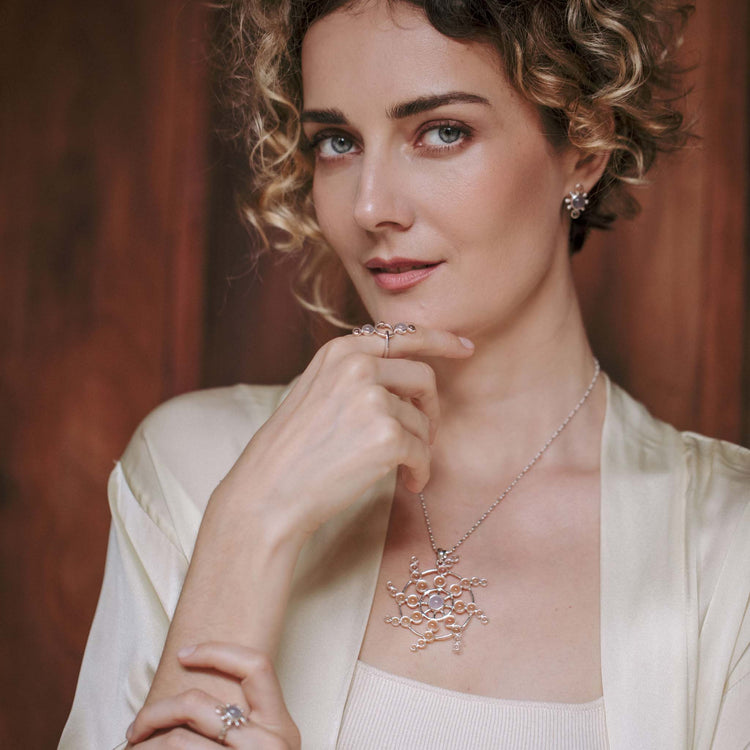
x,y
437,604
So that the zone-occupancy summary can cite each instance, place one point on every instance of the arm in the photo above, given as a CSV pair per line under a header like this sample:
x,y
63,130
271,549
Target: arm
x,y
351,418
309,461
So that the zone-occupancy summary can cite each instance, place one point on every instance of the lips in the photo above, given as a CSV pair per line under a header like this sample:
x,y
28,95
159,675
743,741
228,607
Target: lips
x,y
403,268
398,265
398,274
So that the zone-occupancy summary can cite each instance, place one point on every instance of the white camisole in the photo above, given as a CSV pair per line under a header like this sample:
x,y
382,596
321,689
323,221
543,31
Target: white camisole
x,y
388,712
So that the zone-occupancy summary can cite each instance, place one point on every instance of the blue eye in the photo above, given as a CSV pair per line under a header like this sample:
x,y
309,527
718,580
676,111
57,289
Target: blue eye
x,y
340,144
448,133
334,145
445,135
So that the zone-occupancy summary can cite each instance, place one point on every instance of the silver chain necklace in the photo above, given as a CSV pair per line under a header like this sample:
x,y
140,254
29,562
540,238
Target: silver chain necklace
x,y
438,604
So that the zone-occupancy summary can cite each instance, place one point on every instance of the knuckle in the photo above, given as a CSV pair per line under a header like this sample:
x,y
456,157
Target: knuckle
x,y
338,347
358,367
194,698
322,354
330,351
375,397
388,433
261,663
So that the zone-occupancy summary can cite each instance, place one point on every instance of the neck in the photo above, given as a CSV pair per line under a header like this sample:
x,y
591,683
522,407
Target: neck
x,y
501,405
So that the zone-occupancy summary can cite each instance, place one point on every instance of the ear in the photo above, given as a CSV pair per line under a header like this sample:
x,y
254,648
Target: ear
x,y
587,168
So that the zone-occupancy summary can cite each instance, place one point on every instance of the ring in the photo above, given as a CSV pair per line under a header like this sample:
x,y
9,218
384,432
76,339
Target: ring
x,y
231,717
384,330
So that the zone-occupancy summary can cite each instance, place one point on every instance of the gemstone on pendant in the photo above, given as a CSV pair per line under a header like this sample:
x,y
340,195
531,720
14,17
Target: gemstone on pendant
x,y
436,602
442,610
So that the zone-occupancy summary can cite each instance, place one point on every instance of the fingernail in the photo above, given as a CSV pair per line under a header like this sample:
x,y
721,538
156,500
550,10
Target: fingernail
x,y
129,733
466,342
185,651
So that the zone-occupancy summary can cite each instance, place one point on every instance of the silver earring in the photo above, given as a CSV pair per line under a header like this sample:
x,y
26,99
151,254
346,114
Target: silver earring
x,y
576,201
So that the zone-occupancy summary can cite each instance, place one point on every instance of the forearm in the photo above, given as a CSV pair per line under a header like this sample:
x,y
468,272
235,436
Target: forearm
x,y
236,590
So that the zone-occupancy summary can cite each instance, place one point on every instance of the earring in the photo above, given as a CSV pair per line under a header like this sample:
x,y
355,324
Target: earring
x,y
576,201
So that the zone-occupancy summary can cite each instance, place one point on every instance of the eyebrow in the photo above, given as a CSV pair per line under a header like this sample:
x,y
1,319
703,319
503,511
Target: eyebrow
x,y
426,103
398,111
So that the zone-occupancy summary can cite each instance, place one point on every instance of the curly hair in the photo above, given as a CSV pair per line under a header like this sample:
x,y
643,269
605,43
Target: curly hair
x,y
602,74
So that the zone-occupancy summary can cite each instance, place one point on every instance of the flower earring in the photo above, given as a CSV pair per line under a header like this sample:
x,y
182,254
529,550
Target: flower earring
x,y
576,201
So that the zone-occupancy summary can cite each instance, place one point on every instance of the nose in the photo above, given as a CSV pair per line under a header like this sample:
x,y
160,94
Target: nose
x,y
382,201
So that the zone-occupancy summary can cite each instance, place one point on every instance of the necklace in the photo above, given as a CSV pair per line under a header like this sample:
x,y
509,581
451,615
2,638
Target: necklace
x,y
438,604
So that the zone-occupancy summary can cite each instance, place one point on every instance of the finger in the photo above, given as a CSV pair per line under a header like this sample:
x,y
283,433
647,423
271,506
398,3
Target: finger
x,y
193,708
412,454
417,464
414,381
423,342
256,673
412,419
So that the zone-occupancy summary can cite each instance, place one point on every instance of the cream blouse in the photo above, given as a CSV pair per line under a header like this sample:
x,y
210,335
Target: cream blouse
x,y
675,578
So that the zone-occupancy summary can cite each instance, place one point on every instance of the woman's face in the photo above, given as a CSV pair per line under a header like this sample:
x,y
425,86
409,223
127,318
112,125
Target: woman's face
x,y
434,182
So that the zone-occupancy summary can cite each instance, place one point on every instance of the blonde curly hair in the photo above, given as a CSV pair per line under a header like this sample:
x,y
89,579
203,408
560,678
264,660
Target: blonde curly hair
x,y
602,73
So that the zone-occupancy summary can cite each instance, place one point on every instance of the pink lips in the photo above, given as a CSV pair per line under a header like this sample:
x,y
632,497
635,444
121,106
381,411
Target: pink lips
x,y
397,274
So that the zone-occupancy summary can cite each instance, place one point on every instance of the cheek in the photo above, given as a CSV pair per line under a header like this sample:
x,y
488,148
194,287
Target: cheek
x,y
332,210
509,198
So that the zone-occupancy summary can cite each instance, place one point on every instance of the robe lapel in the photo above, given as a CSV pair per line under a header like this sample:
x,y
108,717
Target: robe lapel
x,y
643,589
333,588
643,593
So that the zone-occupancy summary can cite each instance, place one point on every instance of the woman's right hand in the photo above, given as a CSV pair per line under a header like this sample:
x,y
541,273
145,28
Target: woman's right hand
x,y
352,417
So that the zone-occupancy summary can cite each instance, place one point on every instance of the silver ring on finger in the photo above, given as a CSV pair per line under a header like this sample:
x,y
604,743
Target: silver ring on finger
x,y
232,717
385,330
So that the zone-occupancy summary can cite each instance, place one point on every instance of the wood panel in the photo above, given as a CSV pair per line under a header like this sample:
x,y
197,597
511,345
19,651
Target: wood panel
x,y
255,330
102,162
665,296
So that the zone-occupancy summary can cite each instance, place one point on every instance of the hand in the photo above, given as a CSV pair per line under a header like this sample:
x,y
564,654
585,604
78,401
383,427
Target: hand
x,y
191,718
350,419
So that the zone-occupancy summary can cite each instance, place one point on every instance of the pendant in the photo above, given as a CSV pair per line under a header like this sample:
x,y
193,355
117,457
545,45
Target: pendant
x,y
436,604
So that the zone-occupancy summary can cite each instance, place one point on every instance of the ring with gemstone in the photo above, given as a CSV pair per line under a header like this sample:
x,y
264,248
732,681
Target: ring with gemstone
x,y
231,717
385,330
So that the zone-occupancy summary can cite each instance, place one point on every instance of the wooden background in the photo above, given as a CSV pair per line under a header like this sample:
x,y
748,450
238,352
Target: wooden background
x,y
124,280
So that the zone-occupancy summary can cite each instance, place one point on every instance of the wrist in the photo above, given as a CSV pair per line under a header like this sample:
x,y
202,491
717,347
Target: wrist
x,y
258,521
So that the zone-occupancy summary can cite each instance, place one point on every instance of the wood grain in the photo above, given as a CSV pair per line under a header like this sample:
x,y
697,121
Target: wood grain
x,y
102,157
665,296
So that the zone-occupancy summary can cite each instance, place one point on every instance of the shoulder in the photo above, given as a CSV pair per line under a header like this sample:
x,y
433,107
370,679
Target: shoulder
x,y
709,467
703,487
703,483
184,448
201,417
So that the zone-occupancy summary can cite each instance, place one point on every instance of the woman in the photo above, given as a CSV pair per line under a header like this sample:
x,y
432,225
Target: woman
x,y
549,566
